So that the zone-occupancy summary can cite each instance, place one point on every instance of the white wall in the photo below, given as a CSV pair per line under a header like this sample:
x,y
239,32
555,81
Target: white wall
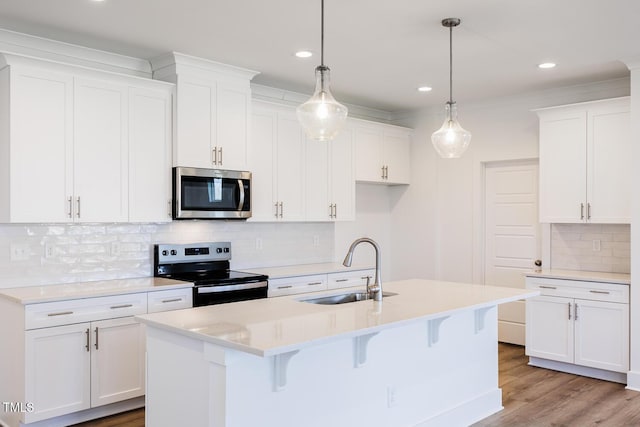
x,y
437,223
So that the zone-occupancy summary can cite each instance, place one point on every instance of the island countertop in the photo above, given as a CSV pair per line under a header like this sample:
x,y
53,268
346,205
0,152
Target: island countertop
x,y
268,327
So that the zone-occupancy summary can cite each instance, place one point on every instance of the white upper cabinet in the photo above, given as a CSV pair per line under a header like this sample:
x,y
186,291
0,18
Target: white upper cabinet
x,y
585,162
213,110
383,153
99,152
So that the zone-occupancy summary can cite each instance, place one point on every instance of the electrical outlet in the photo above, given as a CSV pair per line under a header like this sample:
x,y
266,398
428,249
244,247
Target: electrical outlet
x,y
258,243
392,396
19,252
596,245
316,241
49,250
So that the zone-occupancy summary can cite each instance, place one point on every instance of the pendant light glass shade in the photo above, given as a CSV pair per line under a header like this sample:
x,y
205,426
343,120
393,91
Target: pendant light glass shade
x,y
322,116
451,140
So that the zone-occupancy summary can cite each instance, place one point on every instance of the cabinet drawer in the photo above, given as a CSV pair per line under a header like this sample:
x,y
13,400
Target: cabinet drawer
x,y
350,278
297,285
174,299
596,291
57,313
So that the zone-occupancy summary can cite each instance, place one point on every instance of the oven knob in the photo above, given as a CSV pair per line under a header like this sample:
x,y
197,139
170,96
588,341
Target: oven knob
x,y
226,250
165,252
174,252
219,250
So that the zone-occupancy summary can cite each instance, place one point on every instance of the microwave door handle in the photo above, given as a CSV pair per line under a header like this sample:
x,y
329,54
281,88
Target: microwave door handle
x,y
241,200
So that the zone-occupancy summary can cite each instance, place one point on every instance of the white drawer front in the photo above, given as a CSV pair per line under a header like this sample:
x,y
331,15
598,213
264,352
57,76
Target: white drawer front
x,y
68,312
174,299
297,285
350,278
595,291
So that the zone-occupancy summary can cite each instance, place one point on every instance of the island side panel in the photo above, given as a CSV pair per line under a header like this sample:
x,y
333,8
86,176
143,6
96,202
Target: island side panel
x,y
406,379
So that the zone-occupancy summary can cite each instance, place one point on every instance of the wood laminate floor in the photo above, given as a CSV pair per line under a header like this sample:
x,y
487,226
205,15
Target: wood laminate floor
x,y
532,397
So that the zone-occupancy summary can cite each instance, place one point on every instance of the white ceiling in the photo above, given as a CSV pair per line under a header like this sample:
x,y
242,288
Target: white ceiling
x,y
379,51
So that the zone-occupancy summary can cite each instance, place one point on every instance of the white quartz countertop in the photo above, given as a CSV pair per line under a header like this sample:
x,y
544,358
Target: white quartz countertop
x,y
590,276
272,326
67,291
305,269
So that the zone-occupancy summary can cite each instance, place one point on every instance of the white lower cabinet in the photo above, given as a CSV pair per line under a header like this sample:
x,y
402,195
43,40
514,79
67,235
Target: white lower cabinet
x,y
348,279
319,282
579,323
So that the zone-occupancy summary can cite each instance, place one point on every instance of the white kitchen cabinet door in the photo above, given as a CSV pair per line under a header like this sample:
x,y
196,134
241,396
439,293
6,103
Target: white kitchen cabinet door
x,y
233,104
150,155
100,151
117,360
550,331
261,163
342,180
37,156
397,157
602,335
369,154
563,163
318,200
57,371
289,168
609,164
195,121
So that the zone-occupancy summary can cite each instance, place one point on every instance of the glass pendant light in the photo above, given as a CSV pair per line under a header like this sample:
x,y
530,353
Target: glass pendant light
x,y
451,140
322,116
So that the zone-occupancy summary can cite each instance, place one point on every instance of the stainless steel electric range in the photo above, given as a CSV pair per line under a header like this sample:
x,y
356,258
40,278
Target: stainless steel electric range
x,y
206,265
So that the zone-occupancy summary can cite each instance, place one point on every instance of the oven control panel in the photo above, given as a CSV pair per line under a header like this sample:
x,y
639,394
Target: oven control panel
x,y
192,252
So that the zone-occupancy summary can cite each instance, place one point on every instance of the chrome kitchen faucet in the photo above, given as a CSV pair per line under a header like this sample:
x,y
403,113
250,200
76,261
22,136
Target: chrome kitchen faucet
x,y
373,291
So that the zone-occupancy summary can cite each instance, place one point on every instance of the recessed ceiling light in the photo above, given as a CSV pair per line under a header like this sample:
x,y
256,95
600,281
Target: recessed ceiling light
x,y
424,89
304,54
545,65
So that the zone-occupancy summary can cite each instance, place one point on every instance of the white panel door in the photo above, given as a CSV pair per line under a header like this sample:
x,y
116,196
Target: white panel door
x,y
609,187
149,155
232,106
317,180
601,335
117,360
41,135
563,163
397,158
57,371
369,152
550,330
261,160
100,151
290,167
342,176
195,121
512,237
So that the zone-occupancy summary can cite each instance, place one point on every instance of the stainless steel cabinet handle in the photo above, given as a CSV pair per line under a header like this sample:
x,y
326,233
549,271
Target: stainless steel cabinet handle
x,y
547,287
165,301
600,292
569,308
314,283
386,172
276,206
335,211
214,156
581,210
88,345
61,313
114,307
382,172
281,209
588,210
343,280
78,212
220,156
576,313
96,330
70,201
330,211
285,287
169,208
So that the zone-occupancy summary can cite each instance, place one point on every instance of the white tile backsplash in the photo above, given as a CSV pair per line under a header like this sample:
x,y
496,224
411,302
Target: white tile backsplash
x,y
41,254
573,247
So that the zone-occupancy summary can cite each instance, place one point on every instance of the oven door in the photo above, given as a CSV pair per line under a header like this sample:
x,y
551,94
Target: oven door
x,y
211,194
210,295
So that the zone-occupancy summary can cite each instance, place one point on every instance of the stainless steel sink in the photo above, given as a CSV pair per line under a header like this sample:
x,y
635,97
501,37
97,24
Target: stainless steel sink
x,y
344,298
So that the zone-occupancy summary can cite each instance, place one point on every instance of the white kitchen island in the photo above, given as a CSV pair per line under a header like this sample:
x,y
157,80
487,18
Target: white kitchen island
x,y
426,356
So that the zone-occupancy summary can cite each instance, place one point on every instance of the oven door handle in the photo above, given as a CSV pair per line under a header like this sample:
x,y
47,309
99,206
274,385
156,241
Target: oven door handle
x,y
227,288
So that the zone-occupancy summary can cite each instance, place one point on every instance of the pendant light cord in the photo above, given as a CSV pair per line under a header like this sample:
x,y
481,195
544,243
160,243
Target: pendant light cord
x,y
322,33
450,64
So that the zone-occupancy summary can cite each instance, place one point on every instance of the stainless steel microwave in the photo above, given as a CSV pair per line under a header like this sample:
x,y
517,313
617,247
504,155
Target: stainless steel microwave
x,y
211,194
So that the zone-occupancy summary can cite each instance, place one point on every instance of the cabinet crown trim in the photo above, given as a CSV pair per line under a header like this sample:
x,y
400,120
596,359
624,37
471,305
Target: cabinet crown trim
x,y
175,62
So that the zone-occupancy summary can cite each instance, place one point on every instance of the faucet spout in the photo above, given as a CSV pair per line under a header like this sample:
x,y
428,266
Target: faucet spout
x,y
375,290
